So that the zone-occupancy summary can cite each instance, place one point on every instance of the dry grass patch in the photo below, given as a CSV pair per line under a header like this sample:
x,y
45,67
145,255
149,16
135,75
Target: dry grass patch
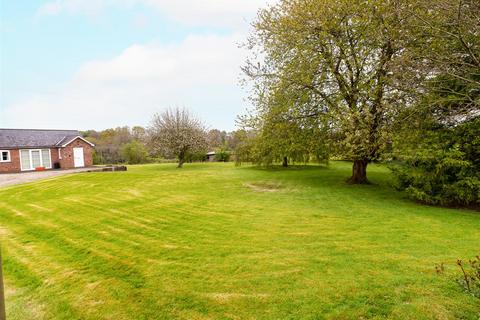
x,y
22,305
265,186
225,297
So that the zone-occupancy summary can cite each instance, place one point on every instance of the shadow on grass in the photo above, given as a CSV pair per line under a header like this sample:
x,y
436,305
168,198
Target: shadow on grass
x,y
333,179
275,168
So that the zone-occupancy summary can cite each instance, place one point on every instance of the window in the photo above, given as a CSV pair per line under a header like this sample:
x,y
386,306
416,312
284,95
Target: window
x,y
46,158
36,160
25,160
5,156
31,159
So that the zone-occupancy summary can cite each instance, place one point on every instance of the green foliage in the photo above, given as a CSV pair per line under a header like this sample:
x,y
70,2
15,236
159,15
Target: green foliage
x,y
450,49
246,148
222,155
109,143
328,79
134,152
221,140
445,168
359,65
97,158
195,156
442,178
160,160
277,136
296,140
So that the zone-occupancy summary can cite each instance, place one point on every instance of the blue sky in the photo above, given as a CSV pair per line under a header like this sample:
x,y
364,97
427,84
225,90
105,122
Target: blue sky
x,y
103,63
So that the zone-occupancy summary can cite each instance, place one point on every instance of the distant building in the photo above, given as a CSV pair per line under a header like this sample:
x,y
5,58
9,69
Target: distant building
x,y
32,149
210,156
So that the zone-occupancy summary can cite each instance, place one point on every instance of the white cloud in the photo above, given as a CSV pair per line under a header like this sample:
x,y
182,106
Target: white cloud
x,y
198,59
200,73
188,12
205,12
51,8
87,7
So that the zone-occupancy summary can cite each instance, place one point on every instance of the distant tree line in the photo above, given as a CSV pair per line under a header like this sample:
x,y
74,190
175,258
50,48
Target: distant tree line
x,y
174,135
119,145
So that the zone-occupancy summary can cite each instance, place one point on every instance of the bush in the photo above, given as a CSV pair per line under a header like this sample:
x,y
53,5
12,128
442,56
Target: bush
x,y
97,158
222,155
447,172
195,157
160,160
443,178
134,152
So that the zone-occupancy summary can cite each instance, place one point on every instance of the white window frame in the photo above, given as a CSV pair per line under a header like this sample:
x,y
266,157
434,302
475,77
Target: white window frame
x,y
9,156
30,159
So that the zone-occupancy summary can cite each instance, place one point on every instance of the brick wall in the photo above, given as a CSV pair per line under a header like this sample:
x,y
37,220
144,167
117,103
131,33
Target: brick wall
x,y
13,165
67,154
54,155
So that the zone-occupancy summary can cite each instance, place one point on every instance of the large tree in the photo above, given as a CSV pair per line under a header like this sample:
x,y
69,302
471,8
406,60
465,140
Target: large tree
x,y
345,58
451,54
177,132
437,144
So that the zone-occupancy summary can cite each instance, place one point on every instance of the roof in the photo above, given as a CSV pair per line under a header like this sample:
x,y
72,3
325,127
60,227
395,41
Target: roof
x,y
211,153
35,138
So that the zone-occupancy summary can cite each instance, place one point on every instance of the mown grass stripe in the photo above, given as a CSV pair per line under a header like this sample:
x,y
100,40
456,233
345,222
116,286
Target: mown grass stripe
x,y
160,243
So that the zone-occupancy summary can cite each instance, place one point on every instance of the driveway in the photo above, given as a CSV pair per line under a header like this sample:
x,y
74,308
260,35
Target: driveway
x,y
8,179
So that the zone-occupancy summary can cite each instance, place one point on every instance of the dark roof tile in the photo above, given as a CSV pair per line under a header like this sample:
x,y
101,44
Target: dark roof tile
x,y
34,138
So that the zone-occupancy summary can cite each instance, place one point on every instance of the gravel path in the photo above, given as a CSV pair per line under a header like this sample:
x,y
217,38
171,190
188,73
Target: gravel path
x,y
8,179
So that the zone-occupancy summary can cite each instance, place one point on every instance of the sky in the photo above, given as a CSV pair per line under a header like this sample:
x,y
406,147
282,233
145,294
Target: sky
x,y
96,64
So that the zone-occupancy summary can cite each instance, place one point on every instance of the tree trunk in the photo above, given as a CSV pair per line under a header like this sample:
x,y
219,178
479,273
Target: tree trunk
x,y
285,162
359,172
181,159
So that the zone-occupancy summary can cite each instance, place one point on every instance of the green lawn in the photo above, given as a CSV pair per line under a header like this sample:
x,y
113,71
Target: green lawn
x,y
212,241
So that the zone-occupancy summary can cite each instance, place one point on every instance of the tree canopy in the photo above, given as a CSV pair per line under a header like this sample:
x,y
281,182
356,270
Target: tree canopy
x,y
337,60
177,132
354,69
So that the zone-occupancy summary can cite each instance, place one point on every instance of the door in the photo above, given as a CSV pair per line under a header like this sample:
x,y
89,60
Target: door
x,y
36,159
78,160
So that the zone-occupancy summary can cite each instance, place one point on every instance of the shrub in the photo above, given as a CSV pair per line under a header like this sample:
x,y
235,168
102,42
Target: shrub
x,y
97,158
470,276
222,155
195,156
134,152
446,170
439,178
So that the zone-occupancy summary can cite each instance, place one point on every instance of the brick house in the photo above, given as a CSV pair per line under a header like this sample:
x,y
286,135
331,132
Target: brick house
x,y
31,149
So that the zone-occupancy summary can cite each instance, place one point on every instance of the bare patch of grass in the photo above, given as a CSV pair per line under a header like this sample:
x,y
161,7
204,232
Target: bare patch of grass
x,y
264,186
223,297
21,304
